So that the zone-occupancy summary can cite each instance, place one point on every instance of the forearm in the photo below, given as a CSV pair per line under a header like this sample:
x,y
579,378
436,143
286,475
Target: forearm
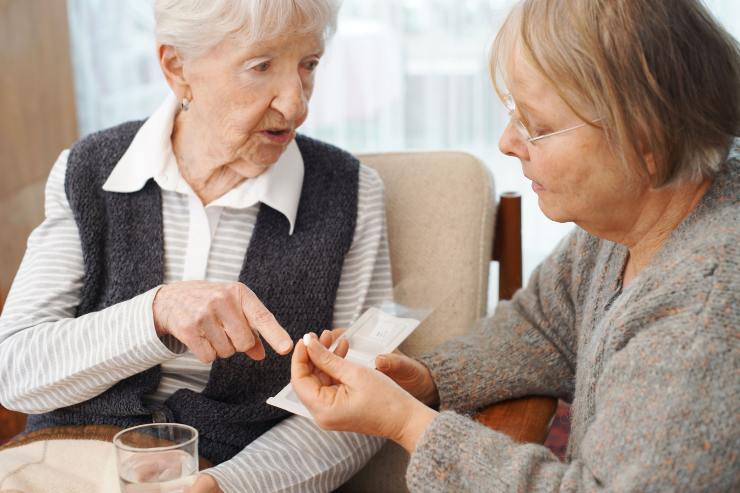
x,y
458,454
296,455
527,347
502,358
59,363
664,420
48,358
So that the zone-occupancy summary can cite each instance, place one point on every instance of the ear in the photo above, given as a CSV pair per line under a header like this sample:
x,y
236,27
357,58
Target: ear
x,y
650,163
172,68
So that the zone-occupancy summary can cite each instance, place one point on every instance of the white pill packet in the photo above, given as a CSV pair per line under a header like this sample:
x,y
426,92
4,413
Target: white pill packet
x,y
375,332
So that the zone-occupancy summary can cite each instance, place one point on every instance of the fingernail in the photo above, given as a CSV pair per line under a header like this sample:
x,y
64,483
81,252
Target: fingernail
x,y
381,362
310,337
285,346
324,332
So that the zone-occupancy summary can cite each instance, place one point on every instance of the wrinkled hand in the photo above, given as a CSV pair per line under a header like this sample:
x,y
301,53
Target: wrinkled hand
x,y
344,396
215,320
411,375
204,483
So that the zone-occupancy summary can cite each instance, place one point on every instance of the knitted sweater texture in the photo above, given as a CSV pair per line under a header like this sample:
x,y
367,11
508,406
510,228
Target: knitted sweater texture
x,y
652,371
295,275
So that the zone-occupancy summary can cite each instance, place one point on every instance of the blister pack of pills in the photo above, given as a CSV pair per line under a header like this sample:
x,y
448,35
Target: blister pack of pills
x,y
379,330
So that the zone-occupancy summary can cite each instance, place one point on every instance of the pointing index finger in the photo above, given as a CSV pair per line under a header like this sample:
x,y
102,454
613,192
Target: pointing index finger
x,y
264,322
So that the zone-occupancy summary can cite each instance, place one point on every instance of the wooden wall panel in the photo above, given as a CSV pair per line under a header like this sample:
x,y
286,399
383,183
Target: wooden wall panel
x,y
37,116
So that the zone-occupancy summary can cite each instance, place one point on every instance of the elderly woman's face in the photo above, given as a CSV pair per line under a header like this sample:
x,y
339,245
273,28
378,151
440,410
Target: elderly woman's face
x,y
248,100
575,175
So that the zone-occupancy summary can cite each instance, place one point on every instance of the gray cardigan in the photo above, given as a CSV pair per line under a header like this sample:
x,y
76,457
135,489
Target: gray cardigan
x,y
653,372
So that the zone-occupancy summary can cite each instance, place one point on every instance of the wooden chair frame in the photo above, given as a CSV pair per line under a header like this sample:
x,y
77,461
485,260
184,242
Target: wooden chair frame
x,y
11,422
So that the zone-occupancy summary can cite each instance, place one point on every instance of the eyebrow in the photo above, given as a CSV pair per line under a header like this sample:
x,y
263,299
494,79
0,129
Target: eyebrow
x,y
526,108
270,52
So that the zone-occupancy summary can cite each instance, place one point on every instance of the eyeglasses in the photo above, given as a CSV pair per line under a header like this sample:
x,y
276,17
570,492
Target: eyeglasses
x,y
524,131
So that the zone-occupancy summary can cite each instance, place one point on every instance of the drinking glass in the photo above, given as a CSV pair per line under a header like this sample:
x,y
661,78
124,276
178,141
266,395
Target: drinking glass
x,y
157,458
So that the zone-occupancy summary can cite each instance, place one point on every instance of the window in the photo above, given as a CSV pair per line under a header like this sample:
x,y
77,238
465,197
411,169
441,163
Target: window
x,y
400,74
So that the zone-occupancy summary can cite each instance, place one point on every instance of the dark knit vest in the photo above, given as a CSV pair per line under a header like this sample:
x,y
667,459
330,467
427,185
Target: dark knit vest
x,y
296,276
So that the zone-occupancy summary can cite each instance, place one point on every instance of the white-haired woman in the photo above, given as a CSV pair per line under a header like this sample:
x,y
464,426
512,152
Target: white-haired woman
x,y
172,246
623,115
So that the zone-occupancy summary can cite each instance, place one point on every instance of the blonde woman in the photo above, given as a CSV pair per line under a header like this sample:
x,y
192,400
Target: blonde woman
x,y
623,115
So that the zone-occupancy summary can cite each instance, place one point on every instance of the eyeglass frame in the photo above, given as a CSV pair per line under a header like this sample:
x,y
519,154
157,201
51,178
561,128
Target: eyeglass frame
x,y
524,131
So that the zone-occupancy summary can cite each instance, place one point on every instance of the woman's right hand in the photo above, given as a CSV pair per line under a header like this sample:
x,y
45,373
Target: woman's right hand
x,y
411,375
215,320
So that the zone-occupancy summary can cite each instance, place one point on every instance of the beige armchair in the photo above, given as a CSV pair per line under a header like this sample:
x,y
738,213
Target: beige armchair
x,y
441,208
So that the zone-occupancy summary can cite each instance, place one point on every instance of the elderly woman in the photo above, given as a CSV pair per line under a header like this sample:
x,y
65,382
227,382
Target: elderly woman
x,y
171,247
623,115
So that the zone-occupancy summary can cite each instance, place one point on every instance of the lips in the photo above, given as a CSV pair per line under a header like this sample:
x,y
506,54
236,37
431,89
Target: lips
x,y
536,187
278,135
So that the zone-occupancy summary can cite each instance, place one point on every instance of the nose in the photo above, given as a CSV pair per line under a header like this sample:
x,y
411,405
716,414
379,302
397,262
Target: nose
x,y
512,143
291,100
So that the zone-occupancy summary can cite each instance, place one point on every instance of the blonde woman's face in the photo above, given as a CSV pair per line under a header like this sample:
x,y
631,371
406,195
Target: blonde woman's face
x,y
575,175
248,100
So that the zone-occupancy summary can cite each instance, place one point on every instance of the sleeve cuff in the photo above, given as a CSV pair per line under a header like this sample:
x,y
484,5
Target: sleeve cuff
x,y
166,347
222,478
448,456
446,375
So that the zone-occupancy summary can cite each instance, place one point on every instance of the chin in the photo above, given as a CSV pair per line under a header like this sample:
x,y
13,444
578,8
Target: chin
x,y
554,213
268,155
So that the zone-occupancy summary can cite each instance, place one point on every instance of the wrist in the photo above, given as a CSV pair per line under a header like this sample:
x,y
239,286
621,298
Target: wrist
x,y
157,304
431,395
416,420
207,483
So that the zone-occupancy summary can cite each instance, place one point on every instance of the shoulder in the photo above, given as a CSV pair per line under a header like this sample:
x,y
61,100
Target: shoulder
x,y
58,170
105,140
93,157
371,185
691,291
704,252
55,200
314,151
370,197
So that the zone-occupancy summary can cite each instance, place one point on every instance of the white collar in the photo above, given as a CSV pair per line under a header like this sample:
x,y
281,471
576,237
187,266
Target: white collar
x,y
150,156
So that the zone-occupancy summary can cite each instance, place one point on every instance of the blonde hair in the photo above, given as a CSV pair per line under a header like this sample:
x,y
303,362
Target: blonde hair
x,y
662,75
196,26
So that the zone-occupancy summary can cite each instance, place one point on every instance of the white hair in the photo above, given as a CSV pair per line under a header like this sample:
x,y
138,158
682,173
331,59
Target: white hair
x,y
196,26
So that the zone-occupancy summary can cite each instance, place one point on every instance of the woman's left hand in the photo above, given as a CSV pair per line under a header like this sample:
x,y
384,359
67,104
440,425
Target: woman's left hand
x,y
345,396
204,483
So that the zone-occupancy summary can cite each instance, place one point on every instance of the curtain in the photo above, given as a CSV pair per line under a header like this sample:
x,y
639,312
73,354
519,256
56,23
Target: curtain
x,y
399,74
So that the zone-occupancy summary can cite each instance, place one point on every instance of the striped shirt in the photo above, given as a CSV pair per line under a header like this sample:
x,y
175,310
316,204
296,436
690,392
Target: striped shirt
x,y
49,359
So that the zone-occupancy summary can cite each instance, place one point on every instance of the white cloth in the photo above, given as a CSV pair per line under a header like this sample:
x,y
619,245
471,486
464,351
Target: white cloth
x,y
61,466
50,359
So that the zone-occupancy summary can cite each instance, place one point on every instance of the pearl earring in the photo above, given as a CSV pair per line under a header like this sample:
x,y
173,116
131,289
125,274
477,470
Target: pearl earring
x,y
185,104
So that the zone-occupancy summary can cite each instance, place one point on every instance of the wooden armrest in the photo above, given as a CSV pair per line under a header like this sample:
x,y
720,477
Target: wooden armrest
x,y
525,420
11,423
